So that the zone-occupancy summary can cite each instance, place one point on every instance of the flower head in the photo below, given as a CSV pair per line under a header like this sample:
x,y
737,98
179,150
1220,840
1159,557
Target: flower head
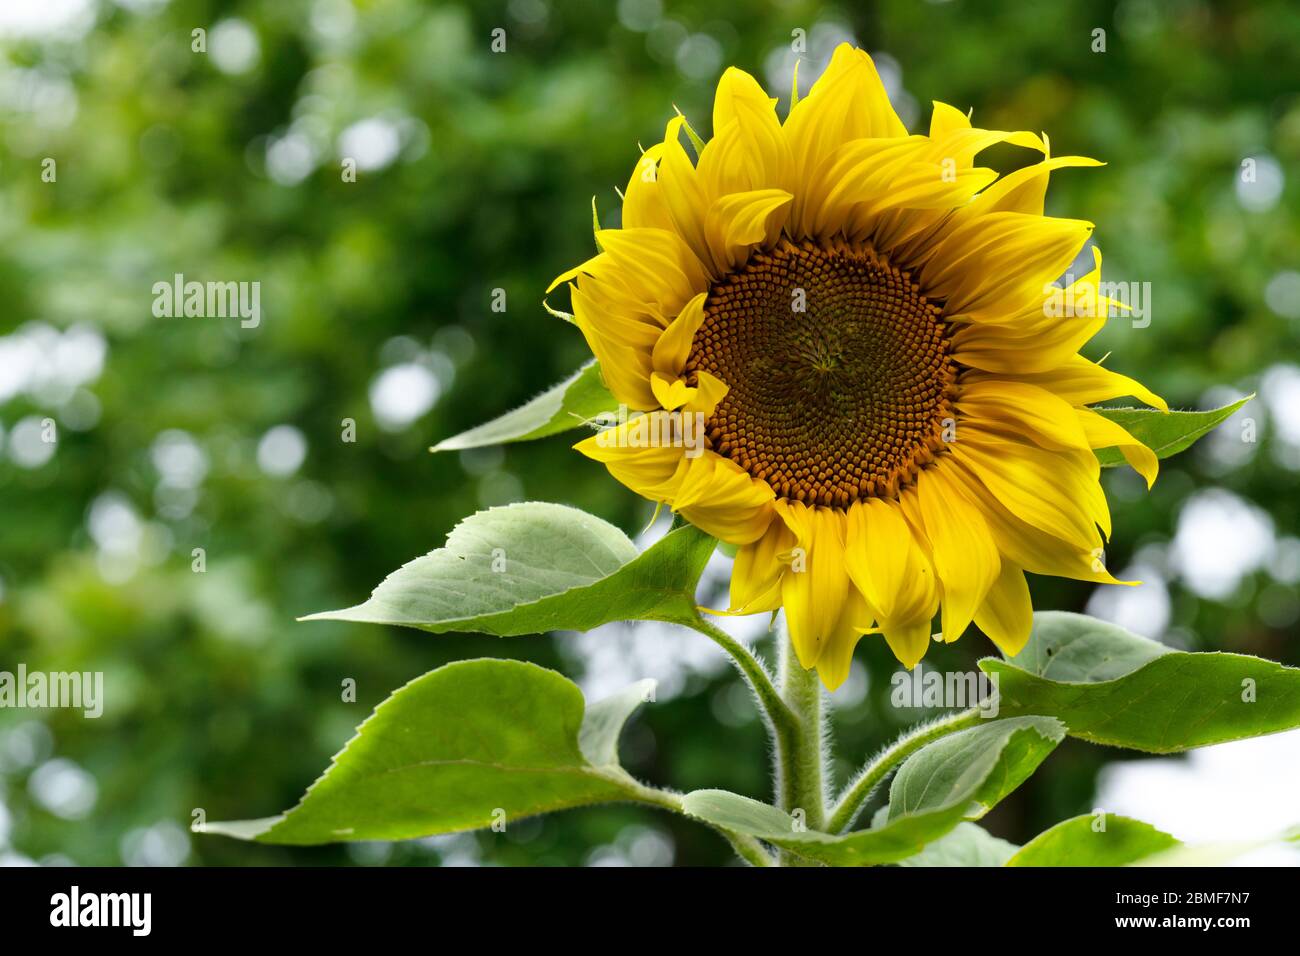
x,y
871,330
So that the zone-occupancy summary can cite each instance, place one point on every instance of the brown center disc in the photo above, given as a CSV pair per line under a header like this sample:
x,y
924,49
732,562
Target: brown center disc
x,y
839,373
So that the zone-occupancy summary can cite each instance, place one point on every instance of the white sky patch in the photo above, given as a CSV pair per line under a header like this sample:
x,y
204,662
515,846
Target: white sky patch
x,y
1261,193
1144,609
114,525
1280,390
24,745
163,844
639,15
64,789
45,94
233,46
1221,538
333,20
402,393
373,143
1241,791
26,443
281,451
635,846
290,158
1282,294
699,57
179,460
39,360
46,19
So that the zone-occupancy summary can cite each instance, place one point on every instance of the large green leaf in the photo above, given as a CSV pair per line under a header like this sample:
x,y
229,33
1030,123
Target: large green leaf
x,y
455,750
968,845
535,567
1078,842
1113,687
571,404
1165,433
956,778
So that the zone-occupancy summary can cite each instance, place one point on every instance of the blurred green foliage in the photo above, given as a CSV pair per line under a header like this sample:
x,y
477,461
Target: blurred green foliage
x,y
475,172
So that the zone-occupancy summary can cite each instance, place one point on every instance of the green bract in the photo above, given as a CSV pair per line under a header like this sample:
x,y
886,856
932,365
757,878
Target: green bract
x,y
1165,433
577,401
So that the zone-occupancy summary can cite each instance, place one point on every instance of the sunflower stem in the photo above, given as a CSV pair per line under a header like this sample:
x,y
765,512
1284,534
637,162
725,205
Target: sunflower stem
x,y
859,790
800,782
782,722
745,846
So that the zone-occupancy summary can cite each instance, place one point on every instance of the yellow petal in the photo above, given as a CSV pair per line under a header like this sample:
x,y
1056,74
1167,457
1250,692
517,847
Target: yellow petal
x,y
888,564
637,456
674,345
1104,433
655,263
1007,615
814,590
1083,382
909,641
1043,336
642,203
847,102
999,263
1035,550
1056,491
749,151
756,573
721,498
709,391
837,656
945,119
738,222
965,557
1021,410
682,193
624,365
671,393
1024,189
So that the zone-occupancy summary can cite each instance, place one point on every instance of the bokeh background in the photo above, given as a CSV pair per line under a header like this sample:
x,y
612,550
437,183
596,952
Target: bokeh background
x,y
475,172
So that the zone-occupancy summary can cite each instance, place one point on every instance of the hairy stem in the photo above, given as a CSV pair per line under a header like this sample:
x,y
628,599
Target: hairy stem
x,y
780,719
745,846
859,790
800,783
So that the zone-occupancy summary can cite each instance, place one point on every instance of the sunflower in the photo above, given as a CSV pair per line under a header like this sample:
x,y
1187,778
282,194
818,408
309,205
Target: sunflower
x,y
875,336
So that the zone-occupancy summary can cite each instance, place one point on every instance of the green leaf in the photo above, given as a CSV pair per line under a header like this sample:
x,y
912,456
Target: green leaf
x,y
1113,687
455,749
575,402
956,778
536,567
1165,433
1075,842
604,722
980,766
968,845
